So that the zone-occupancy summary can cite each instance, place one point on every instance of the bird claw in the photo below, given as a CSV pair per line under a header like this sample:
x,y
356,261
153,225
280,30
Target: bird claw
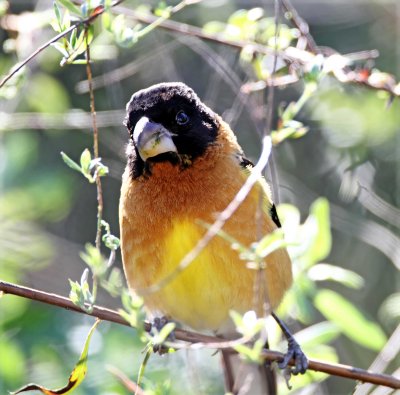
x,y
159,323
296,353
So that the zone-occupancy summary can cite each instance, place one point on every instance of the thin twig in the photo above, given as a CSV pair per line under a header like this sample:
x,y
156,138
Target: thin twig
x,y
301,25
74,26
19,66
190,30
192,337
290,55
95,142
130,385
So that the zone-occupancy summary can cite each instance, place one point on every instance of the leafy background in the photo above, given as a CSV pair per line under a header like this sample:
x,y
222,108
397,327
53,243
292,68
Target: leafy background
x,y
47,212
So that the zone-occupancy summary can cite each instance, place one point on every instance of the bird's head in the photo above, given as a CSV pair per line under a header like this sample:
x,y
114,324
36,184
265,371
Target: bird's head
x,y
168,122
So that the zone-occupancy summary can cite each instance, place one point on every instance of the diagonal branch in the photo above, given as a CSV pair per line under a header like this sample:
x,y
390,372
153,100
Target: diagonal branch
x,y
192,337
74,26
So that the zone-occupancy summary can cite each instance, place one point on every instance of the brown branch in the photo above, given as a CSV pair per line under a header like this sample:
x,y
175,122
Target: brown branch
x,y
192,337
19,66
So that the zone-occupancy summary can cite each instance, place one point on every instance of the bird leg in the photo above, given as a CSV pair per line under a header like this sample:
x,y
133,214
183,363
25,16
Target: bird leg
x,y
294,351
159,323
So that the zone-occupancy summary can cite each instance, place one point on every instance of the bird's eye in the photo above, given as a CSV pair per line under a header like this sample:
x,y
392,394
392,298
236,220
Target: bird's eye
x,y
181,118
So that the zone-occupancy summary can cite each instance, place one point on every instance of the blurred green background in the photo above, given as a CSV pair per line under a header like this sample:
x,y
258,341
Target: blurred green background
x,y
350,156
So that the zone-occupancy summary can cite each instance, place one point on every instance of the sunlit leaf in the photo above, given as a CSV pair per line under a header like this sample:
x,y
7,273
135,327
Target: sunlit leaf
x,y
214,27
391,307
57,13
61,48
327,272
94,259
76,377
85,159
66,22
247,324
72,164
350,320
133,312
165,331
319,220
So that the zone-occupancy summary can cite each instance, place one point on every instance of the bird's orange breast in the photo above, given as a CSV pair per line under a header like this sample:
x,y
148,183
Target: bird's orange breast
x,y
159,220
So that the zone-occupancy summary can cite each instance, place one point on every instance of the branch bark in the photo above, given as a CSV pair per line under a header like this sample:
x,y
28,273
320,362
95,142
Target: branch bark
x,y
106,314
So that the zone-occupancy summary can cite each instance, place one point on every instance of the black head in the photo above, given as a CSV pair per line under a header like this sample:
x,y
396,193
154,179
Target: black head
x,y
177,110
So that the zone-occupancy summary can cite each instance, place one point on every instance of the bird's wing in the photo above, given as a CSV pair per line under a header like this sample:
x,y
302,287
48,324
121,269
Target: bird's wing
x,y
268,204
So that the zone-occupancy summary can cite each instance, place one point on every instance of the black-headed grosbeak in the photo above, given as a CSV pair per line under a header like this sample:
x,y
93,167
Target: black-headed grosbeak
x,y
184,167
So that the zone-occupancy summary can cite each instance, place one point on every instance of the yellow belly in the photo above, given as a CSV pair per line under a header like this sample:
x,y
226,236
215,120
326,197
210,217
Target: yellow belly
x,y
214,283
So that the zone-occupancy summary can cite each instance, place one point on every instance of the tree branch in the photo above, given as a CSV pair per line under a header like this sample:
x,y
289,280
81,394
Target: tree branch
x,y
192,337
338,65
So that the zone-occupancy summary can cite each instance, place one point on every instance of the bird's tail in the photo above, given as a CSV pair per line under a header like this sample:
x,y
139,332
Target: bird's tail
x,y
243,378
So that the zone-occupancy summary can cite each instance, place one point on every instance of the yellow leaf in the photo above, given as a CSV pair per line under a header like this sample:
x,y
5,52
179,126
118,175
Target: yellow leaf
x,y
76,377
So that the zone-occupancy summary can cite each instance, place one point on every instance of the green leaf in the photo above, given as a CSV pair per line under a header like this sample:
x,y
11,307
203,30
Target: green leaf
x,y
114,284
107,21
94,259
214,27
61,48
327,272
75,379
85,160
319,220
165,331
248,324
251,354
72,39
134,312
57,13
391,307
66,22
69,162
70,6
77,61
112,242
102,170
350,320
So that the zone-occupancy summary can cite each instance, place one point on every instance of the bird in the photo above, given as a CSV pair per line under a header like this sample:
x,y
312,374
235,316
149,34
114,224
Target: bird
x,y
184,166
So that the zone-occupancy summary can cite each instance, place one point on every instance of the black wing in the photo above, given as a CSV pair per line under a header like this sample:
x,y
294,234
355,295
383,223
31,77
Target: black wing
x,y
244,162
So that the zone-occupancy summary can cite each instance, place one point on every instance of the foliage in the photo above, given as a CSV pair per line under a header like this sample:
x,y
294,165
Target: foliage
x,y
45,210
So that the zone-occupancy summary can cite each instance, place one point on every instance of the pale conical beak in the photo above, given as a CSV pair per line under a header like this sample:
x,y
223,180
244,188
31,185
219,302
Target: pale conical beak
x,y
152,139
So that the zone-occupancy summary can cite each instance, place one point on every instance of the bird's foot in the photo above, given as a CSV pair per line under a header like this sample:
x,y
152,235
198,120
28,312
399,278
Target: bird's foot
x,y
294,352
159,323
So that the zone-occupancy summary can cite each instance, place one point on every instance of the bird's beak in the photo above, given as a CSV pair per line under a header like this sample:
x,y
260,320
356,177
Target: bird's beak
x,y
152,139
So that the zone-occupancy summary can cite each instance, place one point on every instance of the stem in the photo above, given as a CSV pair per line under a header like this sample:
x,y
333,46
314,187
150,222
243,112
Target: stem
x,y
95,142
